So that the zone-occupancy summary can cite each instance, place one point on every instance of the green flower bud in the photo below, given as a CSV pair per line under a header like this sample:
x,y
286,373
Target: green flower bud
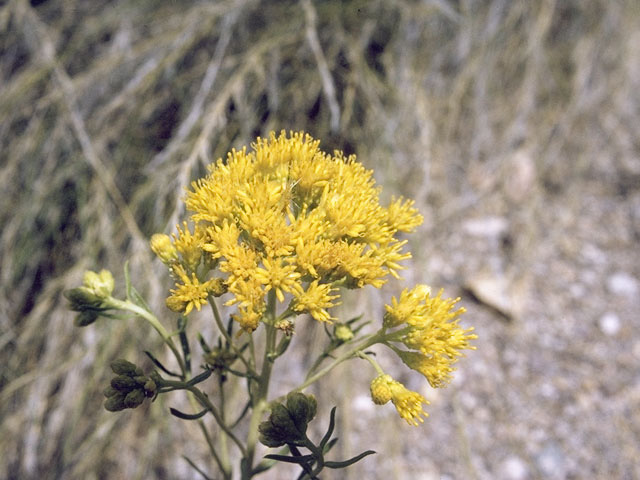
x,y
134,399
110,391
288,424
302,409
124,367
150,388
115,403
343,332
85,318
123,383
81,298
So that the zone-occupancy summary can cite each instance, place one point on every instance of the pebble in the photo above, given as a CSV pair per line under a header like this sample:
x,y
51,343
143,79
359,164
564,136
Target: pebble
x,y
609,324
621,283
486,226
514,468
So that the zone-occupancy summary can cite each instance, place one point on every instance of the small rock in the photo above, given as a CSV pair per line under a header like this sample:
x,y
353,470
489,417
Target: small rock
x,y
621,283
514,468
551,462
486,226
492,291
609,324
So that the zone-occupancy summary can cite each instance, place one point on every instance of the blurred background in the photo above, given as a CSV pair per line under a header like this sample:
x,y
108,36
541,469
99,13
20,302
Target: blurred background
x,y
515,125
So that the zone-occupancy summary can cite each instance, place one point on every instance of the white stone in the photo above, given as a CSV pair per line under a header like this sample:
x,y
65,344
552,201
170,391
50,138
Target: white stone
x,y
609,324
621,283
514,468
486,226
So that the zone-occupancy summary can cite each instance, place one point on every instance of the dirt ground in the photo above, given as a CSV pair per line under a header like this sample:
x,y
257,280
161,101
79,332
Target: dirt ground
x,y
515,126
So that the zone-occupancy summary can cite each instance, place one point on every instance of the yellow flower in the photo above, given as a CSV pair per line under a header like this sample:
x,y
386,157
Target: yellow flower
x,y
430,330
402,216
190,245
315,300
407,403
410,308
162,246
290,218
191,292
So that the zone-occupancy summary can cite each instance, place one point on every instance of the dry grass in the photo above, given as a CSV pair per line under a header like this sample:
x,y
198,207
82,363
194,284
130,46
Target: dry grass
x,y
527,112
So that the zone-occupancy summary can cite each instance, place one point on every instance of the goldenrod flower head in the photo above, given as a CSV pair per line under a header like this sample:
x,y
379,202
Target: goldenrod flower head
x,y
286,217
190,245
315,300
191,292
407,403
430,330
409,309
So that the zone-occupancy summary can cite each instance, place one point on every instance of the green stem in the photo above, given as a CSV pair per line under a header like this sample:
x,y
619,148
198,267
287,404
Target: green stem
x,y
372,339
154,322
372,361
225,334
259,398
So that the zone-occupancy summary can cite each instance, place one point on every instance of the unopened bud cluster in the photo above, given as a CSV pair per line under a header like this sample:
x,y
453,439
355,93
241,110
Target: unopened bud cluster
x,y
91,298
129,387
287,424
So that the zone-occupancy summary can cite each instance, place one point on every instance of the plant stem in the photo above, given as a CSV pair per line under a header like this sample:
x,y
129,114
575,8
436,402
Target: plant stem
x,y
154,322
259,402
372,339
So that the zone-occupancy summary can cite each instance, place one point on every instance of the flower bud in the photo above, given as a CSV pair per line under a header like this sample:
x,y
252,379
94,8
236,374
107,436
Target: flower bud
x,y
302,409
288,424
123,383
124,367
381,389
163,247
343,332
134,399
82,298
85,318
101,284
115,403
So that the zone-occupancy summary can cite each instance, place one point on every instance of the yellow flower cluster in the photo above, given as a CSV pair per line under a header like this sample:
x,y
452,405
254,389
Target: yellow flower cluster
x,y
408,403
429,328
288,218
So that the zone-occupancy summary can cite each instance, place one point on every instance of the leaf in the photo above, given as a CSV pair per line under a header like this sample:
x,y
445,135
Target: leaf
x,y
203,343
196,468
303,459
184,343
157,363
199,378
188,416
351,461
332,424
330,445
127,280
138,300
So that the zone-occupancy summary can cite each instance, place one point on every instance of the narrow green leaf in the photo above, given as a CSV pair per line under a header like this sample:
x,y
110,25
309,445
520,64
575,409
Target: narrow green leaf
x,y
157,363
332,424
203,343
188,416
138,300
199,378
196,468
330,445
184,342
127,280
351,461
303,459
